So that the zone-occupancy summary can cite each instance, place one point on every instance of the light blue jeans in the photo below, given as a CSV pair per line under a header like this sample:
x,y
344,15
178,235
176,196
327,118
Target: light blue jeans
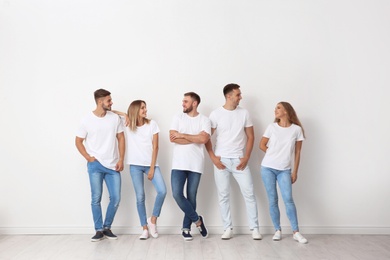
x,y
283,178
138,174
97,174
244,180
186,204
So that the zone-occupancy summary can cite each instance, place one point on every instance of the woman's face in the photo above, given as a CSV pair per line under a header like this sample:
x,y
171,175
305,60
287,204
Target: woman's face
x,y
280,112
142,111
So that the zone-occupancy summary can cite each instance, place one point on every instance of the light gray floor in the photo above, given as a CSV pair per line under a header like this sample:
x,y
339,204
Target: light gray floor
x,y
71,247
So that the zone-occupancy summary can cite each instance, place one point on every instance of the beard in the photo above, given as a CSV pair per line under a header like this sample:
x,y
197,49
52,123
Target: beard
x,y
107,108
188,110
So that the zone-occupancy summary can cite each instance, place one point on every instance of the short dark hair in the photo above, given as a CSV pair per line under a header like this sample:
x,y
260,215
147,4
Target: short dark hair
x,y
194,96
229,88
101,93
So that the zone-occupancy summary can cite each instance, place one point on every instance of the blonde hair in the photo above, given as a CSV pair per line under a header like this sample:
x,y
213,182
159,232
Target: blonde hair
x,y
133,114
291,114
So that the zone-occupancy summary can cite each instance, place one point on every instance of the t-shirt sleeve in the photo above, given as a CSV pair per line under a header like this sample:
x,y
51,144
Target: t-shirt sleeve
x,y
206,126
248,120
155,128
213,121
81,130
300,136
268,132
120,126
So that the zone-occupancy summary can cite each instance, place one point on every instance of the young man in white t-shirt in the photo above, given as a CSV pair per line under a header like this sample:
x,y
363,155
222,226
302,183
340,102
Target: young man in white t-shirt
x,y
234,133
102,132
189,132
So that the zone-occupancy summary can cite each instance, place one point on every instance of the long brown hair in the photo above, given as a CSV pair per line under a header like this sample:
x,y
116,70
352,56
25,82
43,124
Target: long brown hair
x,y
291,114
133,113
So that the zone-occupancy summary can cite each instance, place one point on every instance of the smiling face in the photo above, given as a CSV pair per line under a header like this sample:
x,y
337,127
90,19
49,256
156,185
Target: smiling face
x,y
142,110
280,112
234,97
106,103
188,104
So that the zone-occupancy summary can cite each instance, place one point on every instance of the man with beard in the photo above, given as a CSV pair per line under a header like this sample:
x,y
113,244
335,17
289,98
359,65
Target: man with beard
x,y
103,133
189,132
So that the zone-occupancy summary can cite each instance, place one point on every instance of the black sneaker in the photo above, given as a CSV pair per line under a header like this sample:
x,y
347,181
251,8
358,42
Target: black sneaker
x,y
98,236
108,234
202,228
186,235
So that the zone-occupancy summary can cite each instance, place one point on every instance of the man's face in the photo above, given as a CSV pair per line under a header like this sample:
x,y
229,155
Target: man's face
x,y
188,104
235,96
106,103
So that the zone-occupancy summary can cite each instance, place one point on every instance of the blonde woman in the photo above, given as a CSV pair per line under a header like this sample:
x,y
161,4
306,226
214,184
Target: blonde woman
x,y
141,155
282,140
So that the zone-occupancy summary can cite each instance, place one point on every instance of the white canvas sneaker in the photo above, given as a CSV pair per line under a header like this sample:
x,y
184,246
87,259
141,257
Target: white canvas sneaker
x,y
298,237
256,234
228,234
277,236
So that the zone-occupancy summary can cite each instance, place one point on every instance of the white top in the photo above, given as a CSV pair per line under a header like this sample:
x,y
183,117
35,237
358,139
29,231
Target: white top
x,y
230,131
281,145
189,157
100,137
139,144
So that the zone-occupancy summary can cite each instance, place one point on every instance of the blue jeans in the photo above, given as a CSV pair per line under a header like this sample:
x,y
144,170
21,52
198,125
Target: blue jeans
x,y
283,178
244,180
138,173
98,173
187,205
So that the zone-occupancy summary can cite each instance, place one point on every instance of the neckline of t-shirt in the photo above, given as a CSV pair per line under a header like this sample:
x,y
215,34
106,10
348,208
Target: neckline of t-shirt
x,y
287,127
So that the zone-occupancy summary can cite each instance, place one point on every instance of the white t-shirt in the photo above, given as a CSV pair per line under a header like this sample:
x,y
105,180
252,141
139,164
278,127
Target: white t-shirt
x,y
281,145
139,144
230,131
100,137
189,157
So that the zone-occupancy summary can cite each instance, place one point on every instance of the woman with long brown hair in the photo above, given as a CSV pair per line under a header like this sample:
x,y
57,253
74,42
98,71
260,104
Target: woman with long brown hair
x,y
141,155
282,144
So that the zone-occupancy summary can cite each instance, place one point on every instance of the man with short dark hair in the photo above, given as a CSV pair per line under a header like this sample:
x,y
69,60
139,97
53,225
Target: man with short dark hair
x,y
189,132
103,134
234,134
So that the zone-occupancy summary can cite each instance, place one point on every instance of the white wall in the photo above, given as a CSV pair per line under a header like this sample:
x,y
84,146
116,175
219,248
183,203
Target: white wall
x,y
330,59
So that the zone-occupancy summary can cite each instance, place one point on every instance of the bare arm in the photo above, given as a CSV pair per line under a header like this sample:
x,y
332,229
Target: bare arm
x,y
215,159
154,156
297,158
80,146
263,144
121,146
249,146
179,138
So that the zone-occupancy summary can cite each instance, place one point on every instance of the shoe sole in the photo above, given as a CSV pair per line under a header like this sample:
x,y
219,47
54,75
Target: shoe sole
x,y
97,239
188,239
111,238
226,238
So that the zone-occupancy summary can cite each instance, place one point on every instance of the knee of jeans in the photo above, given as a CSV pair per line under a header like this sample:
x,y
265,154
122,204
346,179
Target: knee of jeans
x,y
96,199
140,198
162,193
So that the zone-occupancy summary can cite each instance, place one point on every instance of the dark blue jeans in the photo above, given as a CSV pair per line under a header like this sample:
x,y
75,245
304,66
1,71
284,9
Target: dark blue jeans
x,y
186,204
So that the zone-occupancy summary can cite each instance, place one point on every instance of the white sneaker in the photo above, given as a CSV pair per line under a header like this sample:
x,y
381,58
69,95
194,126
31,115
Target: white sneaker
x,y
298,237
144,235
256,234
228,234
153,228
277,236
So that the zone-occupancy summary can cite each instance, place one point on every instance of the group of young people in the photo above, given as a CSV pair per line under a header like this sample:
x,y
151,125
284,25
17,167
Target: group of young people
x,y
103,137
